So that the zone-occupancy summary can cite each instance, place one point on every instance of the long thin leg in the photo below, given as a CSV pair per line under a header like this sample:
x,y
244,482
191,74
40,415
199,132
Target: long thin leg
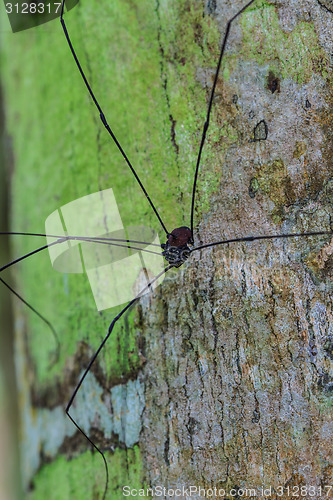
x,y
33,309
104,121
104,241
114,321
37,250
83,238
264,237
206,124
76,238
46,321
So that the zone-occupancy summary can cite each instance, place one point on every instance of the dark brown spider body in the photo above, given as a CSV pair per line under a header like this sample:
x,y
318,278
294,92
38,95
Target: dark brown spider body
x,y
176,250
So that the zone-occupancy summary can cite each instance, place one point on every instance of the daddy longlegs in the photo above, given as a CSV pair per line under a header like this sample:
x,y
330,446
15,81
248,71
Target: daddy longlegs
x,y
181,242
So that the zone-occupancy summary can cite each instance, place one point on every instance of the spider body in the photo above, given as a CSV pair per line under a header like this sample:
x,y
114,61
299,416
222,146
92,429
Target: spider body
x,y
176,250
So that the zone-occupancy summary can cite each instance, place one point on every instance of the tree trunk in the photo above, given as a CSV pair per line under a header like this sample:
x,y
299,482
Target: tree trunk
x,y
223,378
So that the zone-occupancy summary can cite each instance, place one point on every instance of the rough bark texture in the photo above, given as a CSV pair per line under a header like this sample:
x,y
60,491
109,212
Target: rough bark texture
x,y
224,377
241,395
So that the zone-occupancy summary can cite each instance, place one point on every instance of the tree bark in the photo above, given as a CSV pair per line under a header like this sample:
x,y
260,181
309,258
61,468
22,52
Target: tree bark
x,y
223,378
240,397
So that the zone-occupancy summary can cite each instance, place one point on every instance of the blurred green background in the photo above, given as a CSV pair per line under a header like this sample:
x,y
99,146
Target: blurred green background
x,y
8,414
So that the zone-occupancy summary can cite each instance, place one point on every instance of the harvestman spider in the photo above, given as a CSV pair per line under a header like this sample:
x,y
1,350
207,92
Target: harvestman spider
x,y
180,242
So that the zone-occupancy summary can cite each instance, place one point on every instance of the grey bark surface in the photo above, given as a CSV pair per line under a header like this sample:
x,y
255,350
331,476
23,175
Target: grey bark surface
x,y
239,344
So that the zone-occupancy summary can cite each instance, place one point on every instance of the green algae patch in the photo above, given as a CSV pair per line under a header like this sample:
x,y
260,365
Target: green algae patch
x,y
84,476
62,152
273,180
295,55
300,149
